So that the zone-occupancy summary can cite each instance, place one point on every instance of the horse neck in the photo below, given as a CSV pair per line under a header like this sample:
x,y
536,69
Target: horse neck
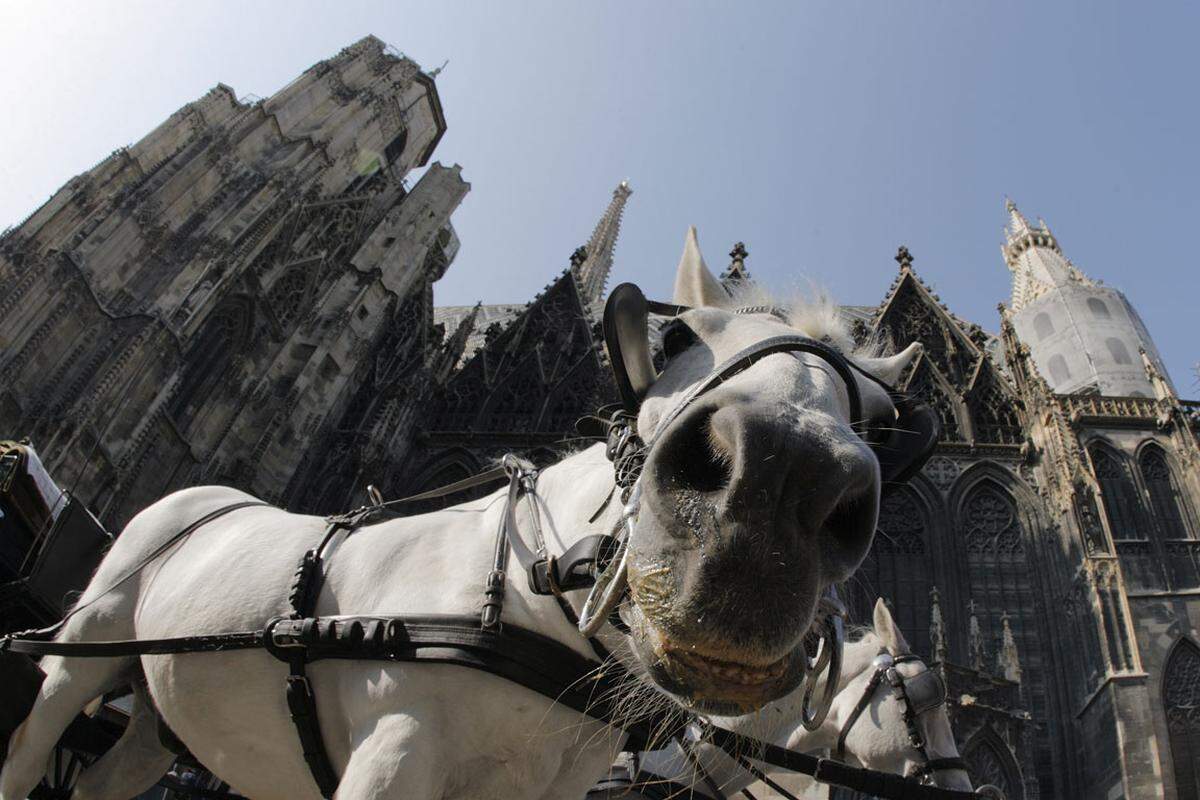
x,y
570,493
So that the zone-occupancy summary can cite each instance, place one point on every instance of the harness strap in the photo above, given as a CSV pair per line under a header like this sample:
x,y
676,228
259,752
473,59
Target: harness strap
x,y
155,553
868,693
828,770
745,764
686,747
938,764
302,705
210,643
481,479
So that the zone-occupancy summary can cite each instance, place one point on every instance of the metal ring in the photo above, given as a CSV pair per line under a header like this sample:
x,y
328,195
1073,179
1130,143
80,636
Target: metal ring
x,y
606,593
831,654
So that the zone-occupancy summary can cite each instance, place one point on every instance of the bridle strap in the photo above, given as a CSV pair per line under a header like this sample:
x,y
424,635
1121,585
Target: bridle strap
x,y
747,357
886,669
933,765
865,700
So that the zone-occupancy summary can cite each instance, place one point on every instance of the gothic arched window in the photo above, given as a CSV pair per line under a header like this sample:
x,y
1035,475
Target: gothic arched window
x,y
1059,371
996,558
395,148
1181,698
1166,501
994,418
897,568
1042,325
1118,351
1121,504
1098,308
288,296
209,357
987,764
1001,581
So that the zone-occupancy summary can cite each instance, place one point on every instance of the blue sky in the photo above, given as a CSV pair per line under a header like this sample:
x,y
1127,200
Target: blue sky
x,y
822,134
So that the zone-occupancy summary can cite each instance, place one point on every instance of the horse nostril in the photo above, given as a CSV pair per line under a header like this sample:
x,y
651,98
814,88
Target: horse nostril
x,y
695,460
848,530
850,516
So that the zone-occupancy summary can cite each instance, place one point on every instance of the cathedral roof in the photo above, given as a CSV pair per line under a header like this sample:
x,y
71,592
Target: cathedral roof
x,y
497,313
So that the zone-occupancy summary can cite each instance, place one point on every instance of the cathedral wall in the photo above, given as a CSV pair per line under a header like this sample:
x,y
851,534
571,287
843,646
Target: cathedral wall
x,y
1102,755
1161,621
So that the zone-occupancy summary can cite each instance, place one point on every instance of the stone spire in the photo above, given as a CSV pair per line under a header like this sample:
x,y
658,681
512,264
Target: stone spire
x,y
1034,258
974,639
456,343
1162,387
736,273
1017,224
937,627
591,267
1007,662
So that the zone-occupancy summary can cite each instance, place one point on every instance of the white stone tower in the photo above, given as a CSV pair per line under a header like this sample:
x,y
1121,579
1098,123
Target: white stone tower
x,y
1084,337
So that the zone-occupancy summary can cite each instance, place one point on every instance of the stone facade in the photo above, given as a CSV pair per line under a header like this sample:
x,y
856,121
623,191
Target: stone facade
x,y
245,297
202,305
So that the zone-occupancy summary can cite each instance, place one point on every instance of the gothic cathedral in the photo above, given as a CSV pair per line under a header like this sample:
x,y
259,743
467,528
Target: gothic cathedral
x,y
245,296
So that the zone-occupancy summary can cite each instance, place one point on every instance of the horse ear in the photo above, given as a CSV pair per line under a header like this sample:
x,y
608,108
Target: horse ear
x,y
694,285
887,630
891,368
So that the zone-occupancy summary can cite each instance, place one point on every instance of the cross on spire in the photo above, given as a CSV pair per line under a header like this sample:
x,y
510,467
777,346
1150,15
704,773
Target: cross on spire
x,y
736,273
904,258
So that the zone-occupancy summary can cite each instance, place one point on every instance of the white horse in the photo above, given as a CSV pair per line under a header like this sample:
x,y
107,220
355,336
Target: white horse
x,y
877,739
754,500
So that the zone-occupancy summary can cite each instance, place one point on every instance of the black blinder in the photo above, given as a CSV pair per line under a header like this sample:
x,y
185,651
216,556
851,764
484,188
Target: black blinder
x,y
627,337
925,691
911,442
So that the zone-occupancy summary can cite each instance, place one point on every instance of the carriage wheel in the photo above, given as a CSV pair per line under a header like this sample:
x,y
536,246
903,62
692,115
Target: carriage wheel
x,y
61,774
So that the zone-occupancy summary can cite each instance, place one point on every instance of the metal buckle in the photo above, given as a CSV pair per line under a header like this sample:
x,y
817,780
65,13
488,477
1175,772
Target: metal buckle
x,y
287,633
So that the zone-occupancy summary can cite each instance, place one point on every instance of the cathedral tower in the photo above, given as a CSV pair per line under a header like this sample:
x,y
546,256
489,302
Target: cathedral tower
x,y
1084,337
592,262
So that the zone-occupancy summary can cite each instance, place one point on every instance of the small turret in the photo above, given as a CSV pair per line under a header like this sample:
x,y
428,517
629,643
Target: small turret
x,y
937,627
1007,662
975,649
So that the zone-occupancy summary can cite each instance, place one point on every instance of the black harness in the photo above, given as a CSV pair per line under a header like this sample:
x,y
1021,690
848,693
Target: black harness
x,y
925,691
595,562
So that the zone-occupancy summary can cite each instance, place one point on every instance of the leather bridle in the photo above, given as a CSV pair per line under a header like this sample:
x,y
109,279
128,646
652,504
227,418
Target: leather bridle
x,y
918,694
910,438
908,442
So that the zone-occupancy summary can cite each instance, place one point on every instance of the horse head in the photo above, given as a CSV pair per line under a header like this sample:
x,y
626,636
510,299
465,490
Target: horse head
x,y
891,713
764,436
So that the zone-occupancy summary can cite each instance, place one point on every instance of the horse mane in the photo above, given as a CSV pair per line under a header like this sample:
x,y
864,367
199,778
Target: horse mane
x,y
813,312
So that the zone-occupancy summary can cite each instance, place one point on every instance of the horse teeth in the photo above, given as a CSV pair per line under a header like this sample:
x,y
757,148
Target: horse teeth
x,y
731,672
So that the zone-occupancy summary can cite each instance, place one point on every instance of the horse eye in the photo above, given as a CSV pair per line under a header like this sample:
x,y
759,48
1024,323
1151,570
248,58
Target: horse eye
x,y
677,337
